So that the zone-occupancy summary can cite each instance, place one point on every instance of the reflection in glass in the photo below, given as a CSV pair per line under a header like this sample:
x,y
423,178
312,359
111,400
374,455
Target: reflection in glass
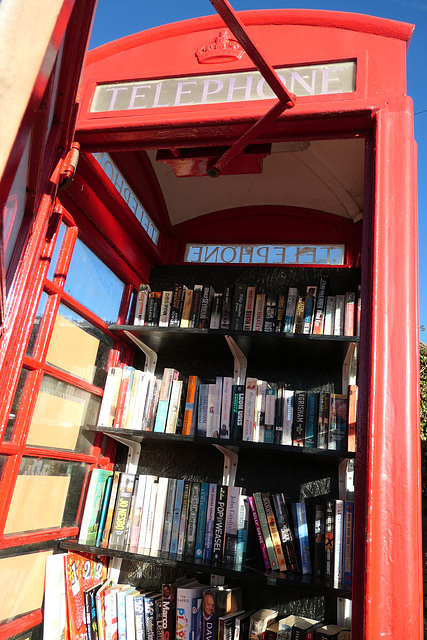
x,y
58,245
93,284
46,495
37,324
79,348
60,412
16,404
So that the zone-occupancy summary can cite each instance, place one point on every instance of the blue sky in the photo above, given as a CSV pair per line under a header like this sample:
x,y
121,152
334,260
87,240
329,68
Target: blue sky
x,y
114,20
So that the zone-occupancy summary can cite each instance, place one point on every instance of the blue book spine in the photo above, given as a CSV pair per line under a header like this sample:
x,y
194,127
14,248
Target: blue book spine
x,y
242,532
121,613
303,537
348,541
201,522
138,605
196,619
176,517
104,509
150,618
311,419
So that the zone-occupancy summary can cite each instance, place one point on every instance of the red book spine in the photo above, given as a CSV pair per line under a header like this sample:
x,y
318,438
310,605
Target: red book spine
x,y
259,532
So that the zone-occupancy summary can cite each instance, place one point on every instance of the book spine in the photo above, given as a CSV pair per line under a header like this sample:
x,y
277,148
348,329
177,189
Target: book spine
x,y
205,307
288,416
174,405
352,417
219,526
350,313
121,513
249,409
184,601
137,514
126,382
210,423
285,531
201,522
329,539
138,608
169,511
238,307
109,401
270,414
259,425
319,540
195,306
163,405
265,529
190,413
153,308
259,312
227,389
230,526
159,515
141,304
310,299
110,512
177,305
182,536
150,618
338,541
323,420
192,521
303,537
299,315
242,531
319,316
226,308
270,314
337,439
216,311
186,309
237,411
217,407
311,419
348,542
210,522
176,517
165,308
330,309
280,313
275,537
259,532
291,302
202,410
299,418
249,309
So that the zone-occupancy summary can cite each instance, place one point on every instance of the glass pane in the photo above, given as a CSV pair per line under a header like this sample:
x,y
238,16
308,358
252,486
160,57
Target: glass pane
x,y
93,284
79,348
60,412
46,495
16,404
59,240
37,323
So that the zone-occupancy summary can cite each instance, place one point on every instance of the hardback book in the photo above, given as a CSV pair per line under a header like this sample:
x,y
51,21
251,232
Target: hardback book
x,y
226,400
219,526
284,526
190,413
206,307
177,305
310,300
259,622
352,417
301,627
249,409
135,523
311,419
93,505
169,375
201,523
226,308
159,515
259,312
210,423
215,319
319,540
124,396
270,415
104,509
280,312
202,410
332,632
186,309
338,574
288,415
153,309
185,508
339,315
110,511
348,542
108,407
249,308
55,605
195,305
259,532
165,308
242,624
237,411
190,542
168,519
291,303
337,436
226,625
210,523
242,531
174,417
274,532
238,307
301,526
230,526
217,407
299,315
184,601
300,411
141,304
329,326
329,538
262,516
176,518
319,314
121,513
350,313
323,420
269,325
261,388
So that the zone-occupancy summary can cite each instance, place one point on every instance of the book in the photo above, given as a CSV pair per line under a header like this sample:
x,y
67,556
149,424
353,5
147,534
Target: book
x,y
136,516
262,517
299,315
190,413
124,396
92,511
319,314
226,403
289,317
196,618
280,312
330,314
130,631
182,534
177,305
169,375
350,313
144,378
176,518
339,315
159,515
285,531
141,304
110,511
278,411
165,308
242,531
226,308
202,410
332,632
218,601
149,514
186,309
145,514
259,312
348,542
298,427
338,574
352,417
337,435
272,631
190,543
329,538
205,307
104,509
210,523
323,420
269,415
184,600
121,512
219,526
238,307
259,622
319,540
169,590
311,421
201,523
195,306
237,411
150,614
153,309
210,422
288,415
150,410
274,532
249,409
174,417
168,519
230,526
100,608
55,605
215,319
310,299
270,313
226,625
249,308
217,406
259,532
301,525
110,396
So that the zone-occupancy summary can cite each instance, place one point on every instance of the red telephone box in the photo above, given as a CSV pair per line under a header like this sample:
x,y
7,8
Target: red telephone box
x,y
277,138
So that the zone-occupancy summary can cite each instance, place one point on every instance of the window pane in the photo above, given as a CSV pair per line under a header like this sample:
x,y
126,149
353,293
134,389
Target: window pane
x,y
16,404
79,348
59,240
46,495
93,284
37,323
60,412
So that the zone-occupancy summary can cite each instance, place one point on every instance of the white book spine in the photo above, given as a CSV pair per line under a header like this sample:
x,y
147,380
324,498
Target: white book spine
x,y
329,326
339,315
288,416
184,601
159,514
165,308
218,402
260,411
210,426
141,397
338,541
173,406
227,385
141,305
145,512
249,410
109,399
137,513
151,512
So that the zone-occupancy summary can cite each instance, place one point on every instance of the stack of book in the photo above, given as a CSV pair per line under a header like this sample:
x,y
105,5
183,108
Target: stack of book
x,y
315,310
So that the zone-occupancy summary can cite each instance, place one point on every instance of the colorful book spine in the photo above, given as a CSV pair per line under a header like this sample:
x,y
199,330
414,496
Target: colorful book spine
x,y
337,438
348,542
176,517
190,413
249,308
310,300
303,538
352,417
259,532
186,309
202,410
319,315
300,409
237,411
265,529
311,419
291,304
274,532
201,523
323,420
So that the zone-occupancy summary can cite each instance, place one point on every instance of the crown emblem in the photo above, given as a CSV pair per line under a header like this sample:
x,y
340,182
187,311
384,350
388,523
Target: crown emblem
x,y
222,48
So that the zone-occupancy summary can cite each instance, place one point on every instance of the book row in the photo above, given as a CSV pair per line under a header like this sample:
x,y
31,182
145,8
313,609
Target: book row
x,y
200,522
257,411
82,603
246,308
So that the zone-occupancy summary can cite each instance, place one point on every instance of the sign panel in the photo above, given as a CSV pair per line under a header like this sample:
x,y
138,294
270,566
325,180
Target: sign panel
x,y
242,86
265,254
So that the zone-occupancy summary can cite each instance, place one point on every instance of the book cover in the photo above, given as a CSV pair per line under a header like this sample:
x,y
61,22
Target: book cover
x,y
280,312
190,413
169,375
291,303
150,615
165,308
259,312
168,518
226,625
201,523
169,592
270,313
241,625
319,540
195,305
177,305
284,526
300,409
210,422
210,523
190,543
121,512
262,517
206,307
196,618
339,315
299,315
230,526
288,415
217,602
237,411
226,401
311,419
93,505
352,417
202,410
238,307
215,319
337,437
153,308
270,415
141,392
226,308
185,508
249,409
100,608
219,526
310,300
323,420
141,304
319,314
186,309
110,397
184,601
274,532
